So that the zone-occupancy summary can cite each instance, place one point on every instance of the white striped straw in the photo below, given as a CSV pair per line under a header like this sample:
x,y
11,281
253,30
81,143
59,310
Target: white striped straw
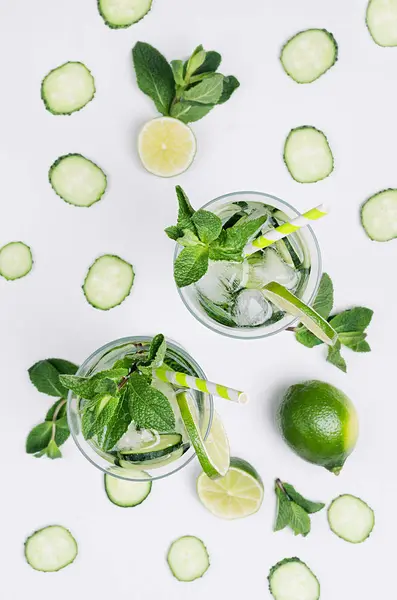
x,y
201,385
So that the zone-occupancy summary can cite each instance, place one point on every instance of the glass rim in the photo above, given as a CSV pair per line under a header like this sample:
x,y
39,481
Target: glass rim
x,y
100,351
293,320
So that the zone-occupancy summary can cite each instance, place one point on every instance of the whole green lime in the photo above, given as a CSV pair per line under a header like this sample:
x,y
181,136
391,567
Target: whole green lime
x,y
319,423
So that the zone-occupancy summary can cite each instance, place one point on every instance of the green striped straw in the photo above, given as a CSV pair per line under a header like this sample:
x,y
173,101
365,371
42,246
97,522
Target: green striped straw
x,y
201,385
279,232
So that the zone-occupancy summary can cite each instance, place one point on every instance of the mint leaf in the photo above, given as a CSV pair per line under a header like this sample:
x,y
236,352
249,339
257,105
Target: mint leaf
x,y
190,265
208,225
185,210
230,84
189,239
59,407
353,320
299,520
307,505
207,91
157,350
62,431
174,232
149,408
63,366
189,112
119,422
154,76
45,377
53,451
106,386
195,61
283,511
88,424
177,70
323,304
355,341
211,63
335,357
89,387
39,438
231,242
306,337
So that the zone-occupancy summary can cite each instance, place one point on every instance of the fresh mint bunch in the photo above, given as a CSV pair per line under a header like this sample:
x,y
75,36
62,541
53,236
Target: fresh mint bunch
x,y
186,90
47,437
349,324
114,398
293,510
204,238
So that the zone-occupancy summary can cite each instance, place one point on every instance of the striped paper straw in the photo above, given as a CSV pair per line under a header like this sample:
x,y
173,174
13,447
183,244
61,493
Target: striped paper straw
x,y
201,385
279,232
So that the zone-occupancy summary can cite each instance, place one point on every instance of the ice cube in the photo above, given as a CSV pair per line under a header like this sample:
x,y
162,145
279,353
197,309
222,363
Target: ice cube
x,y
269,266
221,280
135,438
251,309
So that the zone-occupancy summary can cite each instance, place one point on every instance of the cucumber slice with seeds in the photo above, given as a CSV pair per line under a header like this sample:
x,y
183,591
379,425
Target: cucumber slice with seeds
x,y
67,88
382,22
307,155
168,442
379,216
309,54
351,519
50,549
188,558
77,180
108,282
127,494
119,14
16,260
291,579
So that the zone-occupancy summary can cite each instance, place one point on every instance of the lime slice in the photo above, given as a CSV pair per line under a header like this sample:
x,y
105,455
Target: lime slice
x,y
213,454
237,495
285,300
166,147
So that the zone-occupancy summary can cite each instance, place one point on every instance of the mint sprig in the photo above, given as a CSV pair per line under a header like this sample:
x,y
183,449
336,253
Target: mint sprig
x,y
350,325
293,509
184,90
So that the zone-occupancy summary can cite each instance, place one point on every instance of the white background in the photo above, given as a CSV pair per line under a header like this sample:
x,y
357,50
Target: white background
x,y
122,552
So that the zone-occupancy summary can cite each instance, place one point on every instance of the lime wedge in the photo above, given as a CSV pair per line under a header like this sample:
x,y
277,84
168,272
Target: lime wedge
x,y
166,147
236,495
285,300
213,454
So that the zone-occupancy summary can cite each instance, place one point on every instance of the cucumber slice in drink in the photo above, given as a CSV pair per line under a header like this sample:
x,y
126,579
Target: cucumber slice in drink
x,y
188,558
351,519
77,180
50,549
16,260
127,493
291,579
214,453
68,88
379,216
119,14
307,155
287,301
236,495
155,463
167,443
309,54
382,21
108,282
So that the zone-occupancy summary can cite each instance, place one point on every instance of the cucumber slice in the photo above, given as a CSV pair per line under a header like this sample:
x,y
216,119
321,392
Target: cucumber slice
x,y
50,549
351,519
77,180
188,558
382,22
168,442
156,463
309,54
16,260
379,216
307,155
108,282
127,493
291,579
68,88
119,14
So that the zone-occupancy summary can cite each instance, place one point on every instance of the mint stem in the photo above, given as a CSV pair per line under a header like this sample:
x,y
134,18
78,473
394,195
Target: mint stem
x,y
54,418
279,484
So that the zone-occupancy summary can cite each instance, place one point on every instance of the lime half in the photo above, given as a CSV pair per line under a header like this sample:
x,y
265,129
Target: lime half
x,y
214,453
285,300
166,147
236,495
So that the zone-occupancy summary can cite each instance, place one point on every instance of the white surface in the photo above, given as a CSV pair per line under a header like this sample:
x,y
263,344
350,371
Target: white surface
x,y
122,552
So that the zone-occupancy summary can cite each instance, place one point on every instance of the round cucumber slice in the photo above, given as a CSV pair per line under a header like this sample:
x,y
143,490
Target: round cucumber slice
x,y
166,444
291,579
307,155
188,558
382,22
127,494
50,549
379,216
351,519
68,88
309,54
108,282
119,14
16,260
77,180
